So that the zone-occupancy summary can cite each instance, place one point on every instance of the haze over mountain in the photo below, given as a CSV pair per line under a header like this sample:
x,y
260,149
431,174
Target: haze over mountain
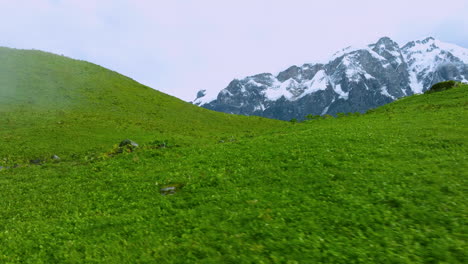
x,y
354,79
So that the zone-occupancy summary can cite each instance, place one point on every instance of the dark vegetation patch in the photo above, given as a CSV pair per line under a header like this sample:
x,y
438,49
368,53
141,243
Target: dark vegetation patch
x,y
443,86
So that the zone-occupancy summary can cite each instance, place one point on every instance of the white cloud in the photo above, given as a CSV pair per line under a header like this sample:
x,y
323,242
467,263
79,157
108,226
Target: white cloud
x,y
182,46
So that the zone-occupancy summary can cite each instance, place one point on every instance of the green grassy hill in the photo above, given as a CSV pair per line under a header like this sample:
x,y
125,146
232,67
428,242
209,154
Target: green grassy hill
x,y
385,187
51,104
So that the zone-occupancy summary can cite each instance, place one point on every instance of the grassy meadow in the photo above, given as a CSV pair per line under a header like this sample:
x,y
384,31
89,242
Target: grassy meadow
x,y
388,186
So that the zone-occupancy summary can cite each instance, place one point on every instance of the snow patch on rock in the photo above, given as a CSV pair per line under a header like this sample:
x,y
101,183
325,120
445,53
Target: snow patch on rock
x,y
319,82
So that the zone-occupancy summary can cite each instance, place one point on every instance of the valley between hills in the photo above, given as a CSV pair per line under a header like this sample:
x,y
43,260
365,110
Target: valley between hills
x,y
191,185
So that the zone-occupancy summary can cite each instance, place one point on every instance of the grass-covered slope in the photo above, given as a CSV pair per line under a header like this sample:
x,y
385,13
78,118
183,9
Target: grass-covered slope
x,y
384,187
51,104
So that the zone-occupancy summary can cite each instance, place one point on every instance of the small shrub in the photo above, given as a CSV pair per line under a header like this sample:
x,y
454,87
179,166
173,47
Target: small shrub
x,y
160,144
115,150
312,117
442,86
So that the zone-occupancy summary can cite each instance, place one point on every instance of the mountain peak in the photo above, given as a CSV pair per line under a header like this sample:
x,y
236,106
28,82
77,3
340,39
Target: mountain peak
x,y
386,47
428,39
385,40
354,79
383,45
421,44
387,43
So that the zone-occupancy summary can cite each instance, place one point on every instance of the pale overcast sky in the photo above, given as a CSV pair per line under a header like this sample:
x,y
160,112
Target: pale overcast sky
x,y
182,46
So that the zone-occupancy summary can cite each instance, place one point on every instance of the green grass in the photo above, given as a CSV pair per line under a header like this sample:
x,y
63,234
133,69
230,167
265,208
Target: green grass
x,y
385,187
51,104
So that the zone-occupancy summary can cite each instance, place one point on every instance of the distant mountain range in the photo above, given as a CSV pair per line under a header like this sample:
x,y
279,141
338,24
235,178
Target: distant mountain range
x,y
353,80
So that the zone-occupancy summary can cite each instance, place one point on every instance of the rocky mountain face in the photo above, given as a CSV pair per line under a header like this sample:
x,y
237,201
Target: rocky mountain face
x,y
353,80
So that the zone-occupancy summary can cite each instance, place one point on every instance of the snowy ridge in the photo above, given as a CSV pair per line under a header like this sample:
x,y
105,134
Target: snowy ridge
x,y
293,90
353,49
319,82
431,47
365,77
424,57
457,51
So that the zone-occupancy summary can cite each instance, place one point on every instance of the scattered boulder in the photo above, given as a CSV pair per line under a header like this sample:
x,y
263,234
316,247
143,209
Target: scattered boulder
x,y
36,162
170,189
55,157
126,145
128,142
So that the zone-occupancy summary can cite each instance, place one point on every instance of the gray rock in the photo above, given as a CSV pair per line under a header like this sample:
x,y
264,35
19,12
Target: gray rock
x,y
128,142
168,190
36,162
55,157
201,93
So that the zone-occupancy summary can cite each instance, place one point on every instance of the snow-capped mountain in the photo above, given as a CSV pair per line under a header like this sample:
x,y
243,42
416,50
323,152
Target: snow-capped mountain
x,y
353,80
